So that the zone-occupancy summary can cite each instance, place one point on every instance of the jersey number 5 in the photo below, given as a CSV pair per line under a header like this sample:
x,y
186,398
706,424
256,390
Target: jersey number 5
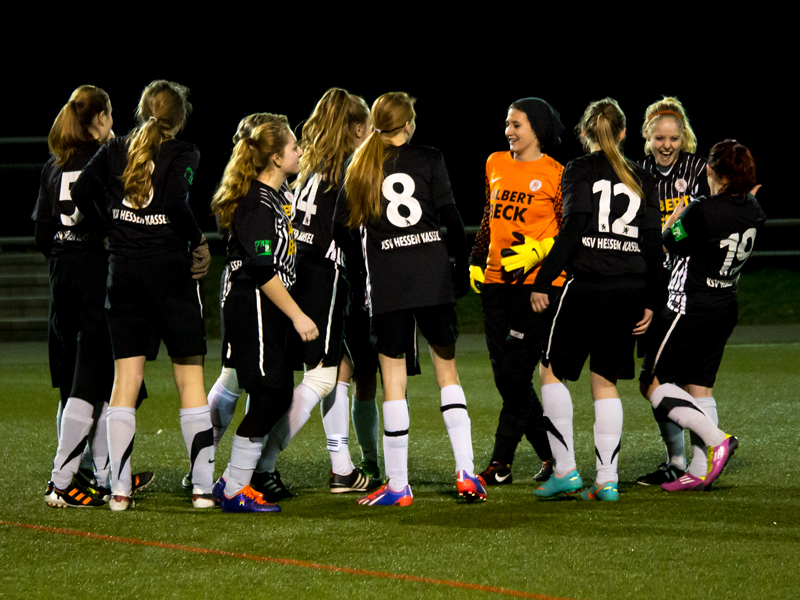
x,y
740,249
620,226
402,198
70,215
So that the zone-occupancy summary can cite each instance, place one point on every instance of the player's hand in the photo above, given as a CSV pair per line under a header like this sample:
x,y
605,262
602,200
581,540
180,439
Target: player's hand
x,y
642,325
305,327
201,259
521,257
539,302
755,189
476,278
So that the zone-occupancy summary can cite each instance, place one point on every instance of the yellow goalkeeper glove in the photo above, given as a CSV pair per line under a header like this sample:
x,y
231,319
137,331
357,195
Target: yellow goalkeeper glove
x,y
521,257
476,278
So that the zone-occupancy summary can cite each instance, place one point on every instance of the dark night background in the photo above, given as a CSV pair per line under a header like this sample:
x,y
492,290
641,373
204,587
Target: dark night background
x,y
463,95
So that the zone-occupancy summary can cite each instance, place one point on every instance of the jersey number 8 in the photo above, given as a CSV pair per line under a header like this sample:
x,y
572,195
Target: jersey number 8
x,y
402,198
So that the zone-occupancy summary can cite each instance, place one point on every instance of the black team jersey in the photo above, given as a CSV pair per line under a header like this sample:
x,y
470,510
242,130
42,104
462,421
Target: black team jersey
x,y
611,243
166,223
261,243
67,228
406,258
712,240
312,218
685,180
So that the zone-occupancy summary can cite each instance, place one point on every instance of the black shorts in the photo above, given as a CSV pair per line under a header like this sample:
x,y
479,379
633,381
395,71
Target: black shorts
x,y
358,344
394,332
257,335
82,343
595,319
321,293
154,297
691,346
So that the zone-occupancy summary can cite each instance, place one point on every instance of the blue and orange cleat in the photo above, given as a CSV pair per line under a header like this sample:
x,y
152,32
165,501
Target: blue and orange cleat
x,y
558,486
246,501
383,496
471,488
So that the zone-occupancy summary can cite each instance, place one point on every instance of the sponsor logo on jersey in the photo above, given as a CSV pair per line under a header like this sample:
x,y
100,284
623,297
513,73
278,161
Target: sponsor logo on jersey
x,y
189,175
304,236
70,236
426,237
264,247
681,185
604,243
668,205
720,283
130,217
535,185
678,232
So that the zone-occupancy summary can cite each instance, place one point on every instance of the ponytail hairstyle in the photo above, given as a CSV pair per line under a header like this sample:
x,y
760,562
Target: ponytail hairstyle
x,y
734,166
162,112
258,138
602,123
364,177
668,107
72,128
327,138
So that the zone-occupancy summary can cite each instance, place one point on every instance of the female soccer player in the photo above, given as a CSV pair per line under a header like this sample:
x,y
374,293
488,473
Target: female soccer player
x,y
339,124
398,195
140,184
680,176
78,271
711,238
521,217
610,245
258,309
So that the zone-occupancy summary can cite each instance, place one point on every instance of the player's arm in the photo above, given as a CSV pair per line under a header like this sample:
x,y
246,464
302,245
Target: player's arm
x,y
567,240
88,191
280,297
456,239
480,249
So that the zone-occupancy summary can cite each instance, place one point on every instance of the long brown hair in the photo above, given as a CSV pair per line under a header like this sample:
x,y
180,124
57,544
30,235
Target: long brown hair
x,y
327,138
602,123
362,182
258,138
734,164
162,111
668,107
71,129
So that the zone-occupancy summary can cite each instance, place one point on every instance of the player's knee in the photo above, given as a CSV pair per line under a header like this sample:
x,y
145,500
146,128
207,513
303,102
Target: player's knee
x,y
322,380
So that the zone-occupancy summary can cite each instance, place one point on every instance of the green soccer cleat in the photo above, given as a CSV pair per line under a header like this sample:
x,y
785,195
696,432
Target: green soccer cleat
x,y
559,486
606,491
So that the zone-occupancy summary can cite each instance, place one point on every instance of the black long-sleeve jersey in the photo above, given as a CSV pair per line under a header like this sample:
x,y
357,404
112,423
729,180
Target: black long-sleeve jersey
x,y
166,223
712,239
684,181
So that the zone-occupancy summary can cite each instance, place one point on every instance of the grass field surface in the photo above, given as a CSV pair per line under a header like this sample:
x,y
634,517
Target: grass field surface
x,y
741,540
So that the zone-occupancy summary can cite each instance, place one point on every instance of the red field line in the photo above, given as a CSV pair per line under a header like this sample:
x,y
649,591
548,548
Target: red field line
x,y
285,561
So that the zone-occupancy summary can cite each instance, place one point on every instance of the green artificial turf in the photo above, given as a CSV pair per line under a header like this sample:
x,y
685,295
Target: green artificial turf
x,y
739,541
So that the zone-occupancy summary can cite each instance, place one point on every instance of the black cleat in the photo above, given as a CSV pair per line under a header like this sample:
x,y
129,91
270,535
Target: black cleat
x,y
665,474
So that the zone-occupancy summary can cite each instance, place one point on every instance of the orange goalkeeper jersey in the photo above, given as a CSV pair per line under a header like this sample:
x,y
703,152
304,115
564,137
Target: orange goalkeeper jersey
x,y
523,197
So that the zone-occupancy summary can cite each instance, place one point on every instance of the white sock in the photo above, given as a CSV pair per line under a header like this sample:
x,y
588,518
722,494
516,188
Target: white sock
x,y
336,421
679,406
366,422
244,455
607,438
102,466
222,401
304,399
76,422
121,425
199,437
395,443
557,405
699,465
456,419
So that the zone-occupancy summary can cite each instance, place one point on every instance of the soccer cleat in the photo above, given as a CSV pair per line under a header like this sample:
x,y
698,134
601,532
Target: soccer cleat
x,y
664,474
383,496
246,501
219,489
85,477
370,468
119,503
471,488
356,481
546,470
607,492
685,483
497,474
75,495
270,486
718,457
186,482
141,480
556,486
205,501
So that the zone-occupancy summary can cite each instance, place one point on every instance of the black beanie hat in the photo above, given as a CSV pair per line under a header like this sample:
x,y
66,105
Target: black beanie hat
x,y
544,119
